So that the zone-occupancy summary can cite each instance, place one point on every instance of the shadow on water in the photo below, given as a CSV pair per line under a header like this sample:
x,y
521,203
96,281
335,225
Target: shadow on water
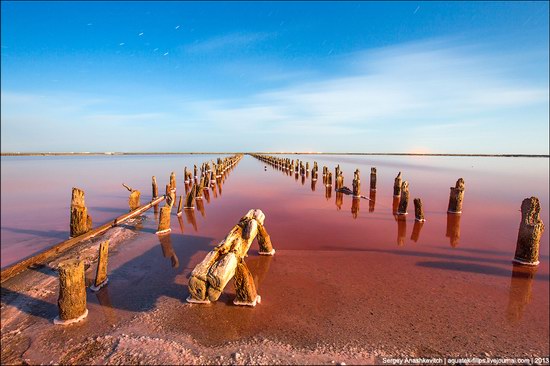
x,y
60,234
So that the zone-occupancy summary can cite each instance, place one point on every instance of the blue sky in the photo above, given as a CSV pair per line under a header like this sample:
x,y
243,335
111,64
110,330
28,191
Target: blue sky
x,y
449,77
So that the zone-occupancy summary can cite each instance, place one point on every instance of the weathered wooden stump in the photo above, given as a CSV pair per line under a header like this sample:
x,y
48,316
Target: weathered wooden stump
x,y
164,220
329,179
373,179
155,187
245,288
397,185
404,199
418,210
134,199
72,292
80,222
356,184
190,199
339,182
209,277
173,181
101,278
456,197
531,228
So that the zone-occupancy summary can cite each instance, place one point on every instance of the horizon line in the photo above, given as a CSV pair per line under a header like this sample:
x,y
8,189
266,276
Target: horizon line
x,y
272,152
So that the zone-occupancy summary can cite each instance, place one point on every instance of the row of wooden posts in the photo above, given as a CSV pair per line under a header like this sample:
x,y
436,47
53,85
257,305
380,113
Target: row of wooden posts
x,y
530,229
72,287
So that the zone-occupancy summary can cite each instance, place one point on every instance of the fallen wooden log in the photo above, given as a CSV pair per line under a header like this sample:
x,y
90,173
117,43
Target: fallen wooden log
x,y
50,253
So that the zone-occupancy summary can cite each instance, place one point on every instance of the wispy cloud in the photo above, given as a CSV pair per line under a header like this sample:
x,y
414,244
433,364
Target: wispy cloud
x,y
234,40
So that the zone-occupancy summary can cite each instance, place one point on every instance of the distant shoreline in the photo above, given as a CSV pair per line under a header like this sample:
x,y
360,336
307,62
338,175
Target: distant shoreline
x,y
272,153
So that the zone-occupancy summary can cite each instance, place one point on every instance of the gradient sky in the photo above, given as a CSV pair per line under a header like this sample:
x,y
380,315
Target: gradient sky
x,y
447,77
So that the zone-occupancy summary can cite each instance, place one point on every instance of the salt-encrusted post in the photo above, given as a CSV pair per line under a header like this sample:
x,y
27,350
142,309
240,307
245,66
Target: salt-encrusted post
x,y
170,196
155,188
356,184
456,197
101,278
373,179
173,181
134,199
190,199
531,228
397,185
164,220
72,292
81,222
404,199
418,210
180,205
209,277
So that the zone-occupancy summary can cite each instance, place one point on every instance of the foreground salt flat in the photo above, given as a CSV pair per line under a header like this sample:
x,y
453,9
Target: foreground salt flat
x,y
338,289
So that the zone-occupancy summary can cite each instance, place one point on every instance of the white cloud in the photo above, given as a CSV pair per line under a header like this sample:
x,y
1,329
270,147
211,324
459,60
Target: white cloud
x,y
227,41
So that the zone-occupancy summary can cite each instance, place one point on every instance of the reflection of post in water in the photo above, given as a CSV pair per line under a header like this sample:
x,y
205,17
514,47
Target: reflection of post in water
x,y
180,220
339,200
303,179
328,192
372,199
296,176
355,207
453,228
401,229
259,266
106,306
214,192
168,250
207,194
313,183
156,212
416,230
521,286
395,205
219,184
190,216
200,207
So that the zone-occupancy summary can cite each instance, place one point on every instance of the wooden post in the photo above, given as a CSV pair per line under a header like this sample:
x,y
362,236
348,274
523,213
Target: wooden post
x,y
339,181
170,196
190,199
245,288
418,210
264,241
373,179
329,179
456,197
180,205
155,188
164,220
185,176
195,171
173,181
134,199
530,232
72,292
209,277
101,278
81,222
397,185
356,184
404,200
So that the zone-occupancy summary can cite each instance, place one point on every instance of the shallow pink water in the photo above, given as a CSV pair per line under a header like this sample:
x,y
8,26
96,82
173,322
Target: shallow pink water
x,y
337,275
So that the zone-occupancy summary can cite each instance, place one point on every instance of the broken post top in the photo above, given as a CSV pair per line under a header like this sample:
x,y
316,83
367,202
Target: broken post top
x,y
405,186
373,170
530,211
459,184
130,188
77,198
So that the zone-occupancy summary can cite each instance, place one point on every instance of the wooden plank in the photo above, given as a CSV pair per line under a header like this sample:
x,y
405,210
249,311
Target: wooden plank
x,y
52,252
